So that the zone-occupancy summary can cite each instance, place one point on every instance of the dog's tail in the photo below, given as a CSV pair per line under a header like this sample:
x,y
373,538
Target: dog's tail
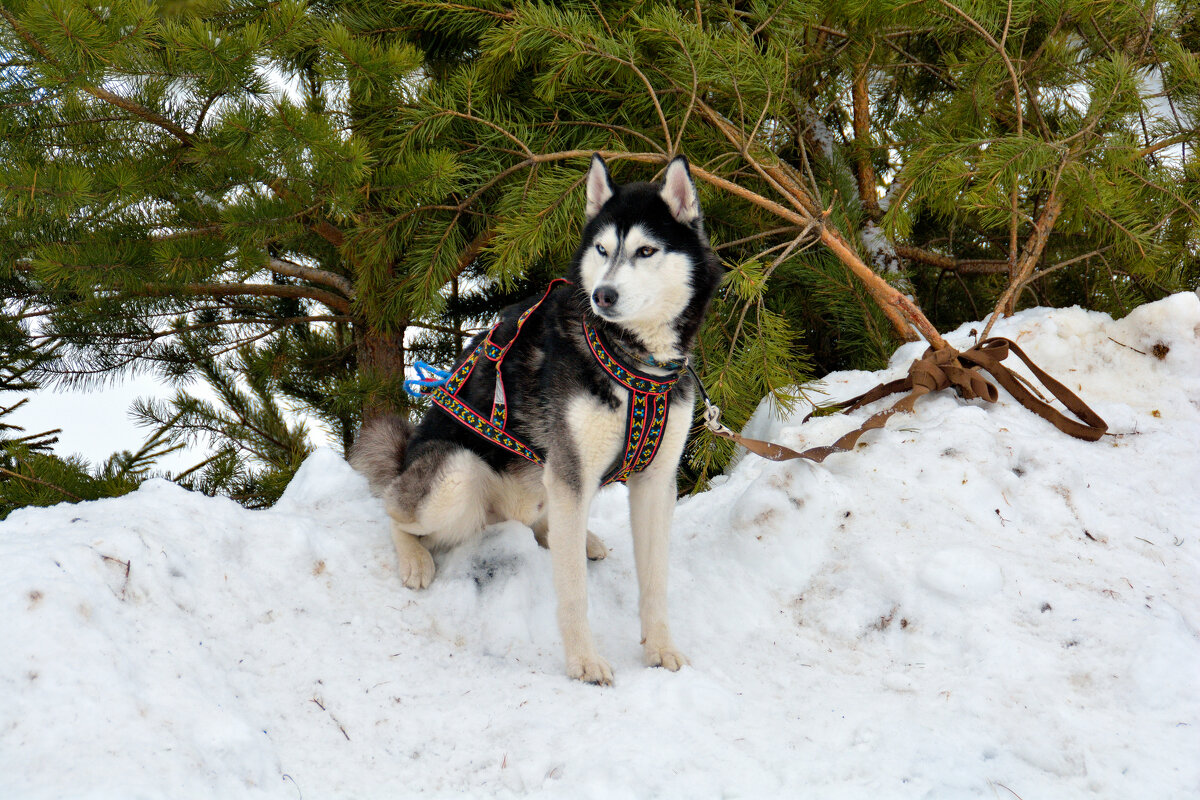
x,y
379,450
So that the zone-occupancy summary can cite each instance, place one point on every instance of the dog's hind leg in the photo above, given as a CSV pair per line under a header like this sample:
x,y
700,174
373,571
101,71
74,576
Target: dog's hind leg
x,y
596,548
439,501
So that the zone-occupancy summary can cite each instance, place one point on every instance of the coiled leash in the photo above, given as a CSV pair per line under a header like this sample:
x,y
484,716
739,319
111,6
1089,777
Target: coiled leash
x,y
649,395
427,378
933,371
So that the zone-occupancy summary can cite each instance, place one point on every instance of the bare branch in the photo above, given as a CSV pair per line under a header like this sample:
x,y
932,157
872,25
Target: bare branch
x,y
1043,272
961,266
323,277
334,301
1031,252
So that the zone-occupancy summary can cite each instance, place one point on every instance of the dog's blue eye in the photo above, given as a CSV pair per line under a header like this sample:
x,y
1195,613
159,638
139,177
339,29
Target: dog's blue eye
x,y
646,252
600,249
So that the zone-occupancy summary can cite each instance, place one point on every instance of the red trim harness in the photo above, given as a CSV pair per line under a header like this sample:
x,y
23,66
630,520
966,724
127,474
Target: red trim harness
x,y
649,399
649,406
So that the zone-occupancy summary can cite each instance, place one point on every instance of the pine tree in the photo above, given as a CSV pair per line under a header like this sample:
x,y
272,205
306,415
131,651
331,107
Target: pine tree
x,y
155,185
30,472
173,208
1024,149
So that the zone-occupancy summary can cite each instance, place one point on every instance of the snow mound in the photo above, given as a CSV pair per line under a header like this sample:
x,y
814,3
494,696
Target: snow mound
x,y
971,602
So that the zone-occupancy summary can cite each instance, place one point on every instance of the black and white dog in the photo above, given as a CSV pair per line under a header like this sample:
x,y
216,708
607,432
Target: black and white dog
x,y
592,390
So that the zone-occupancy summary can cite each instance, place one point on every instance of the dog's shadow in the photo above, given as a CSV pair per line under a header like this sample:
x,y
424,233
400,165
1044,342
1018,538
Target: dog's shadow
x,y
507,552
497,594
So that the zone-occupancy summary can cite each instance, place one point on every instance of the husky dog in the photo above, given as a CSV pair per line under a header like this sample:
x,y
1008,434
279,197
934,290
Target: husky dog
x,y
640,284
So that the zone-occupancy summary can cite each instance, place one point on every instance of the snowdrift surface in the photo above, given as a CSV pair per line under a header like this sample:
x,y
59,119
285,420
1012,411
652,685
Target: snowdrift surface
x,y
970,604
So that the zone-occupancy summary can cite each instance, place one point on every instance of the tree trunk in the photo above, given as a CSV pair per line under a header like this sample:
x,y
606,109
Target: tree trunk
x,y
381,368
864,170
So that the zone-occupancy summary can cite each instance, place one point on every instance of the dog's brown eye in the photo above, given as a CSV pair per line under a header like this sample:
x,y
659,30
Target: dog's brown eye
x,y
646,252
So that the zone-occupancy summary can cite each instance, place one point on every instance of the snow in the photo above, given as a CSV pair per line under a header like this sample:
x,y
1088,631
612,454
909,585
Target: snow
x,y
971,604
883,254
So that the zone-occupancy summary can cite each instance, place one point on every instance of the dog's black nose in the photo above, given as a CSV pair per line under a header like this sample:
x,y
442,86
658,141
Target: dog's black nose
x,y
605,297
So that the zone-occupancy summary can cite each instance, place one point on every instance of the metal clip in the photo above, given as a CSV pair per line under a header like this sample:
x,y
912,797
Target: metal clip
x,y
712,419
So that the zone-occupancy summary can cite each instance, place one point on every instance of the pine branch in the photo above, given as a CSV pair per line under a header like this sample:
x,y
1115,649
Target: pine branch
x,y
473,249
102,94
41,482
322,227
999,48
143,113
275,325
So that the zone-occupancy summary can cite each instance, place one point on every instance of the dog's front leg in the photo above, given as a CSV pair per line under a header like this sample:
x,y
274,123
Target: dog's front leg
x,y
567,507
651,507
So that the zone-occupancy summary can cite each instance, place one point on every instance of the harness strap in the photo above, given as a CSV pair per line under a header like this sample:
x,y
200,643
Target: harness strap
x,y
490,426
936,370
649,408
627,376
649,397
497,353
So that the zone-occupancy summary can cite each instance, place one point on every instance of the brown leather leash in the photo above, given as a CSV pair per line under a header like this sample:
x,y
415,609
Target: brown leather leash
x,y
933,371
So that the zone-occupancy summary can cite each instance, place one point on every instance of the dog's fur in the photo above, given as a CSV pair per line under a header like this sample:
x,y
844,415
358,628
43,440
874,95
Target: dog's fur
x,y
442,484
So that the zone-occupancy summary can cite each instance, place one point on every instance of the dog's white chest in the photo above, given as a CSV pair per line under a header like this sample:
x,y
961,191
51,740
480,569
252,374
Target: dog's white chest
x,y
598,432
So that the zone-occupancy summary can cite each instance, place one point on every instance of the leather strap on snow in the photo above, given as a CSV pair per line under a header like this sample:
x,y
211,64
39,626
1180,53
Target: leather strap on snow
x,y
934,371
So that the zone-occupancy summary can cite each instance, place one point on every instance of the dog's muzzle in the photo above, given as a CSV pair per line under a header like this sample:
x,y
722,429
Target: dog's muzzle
x,y
605,297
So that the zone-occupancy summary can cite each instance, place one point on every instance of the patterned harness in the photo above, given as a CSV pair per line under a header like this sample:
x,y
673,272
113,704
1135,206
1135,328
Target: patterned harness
x,y
649,398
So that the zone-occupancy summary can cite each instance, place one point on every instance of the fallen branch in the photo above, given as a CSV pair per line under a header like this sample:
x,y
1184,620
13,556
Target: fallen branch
x,y
961,266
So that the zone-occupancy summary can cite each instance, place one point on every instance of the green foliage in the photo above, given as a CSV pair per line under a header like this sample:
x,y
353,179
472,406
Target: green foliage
x,y
257,448
30,473
35,477
169,207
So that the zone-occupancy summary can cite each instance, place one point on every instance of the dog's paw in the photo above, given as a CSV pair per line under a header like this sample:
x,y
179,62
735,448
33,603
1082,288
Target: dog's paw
x,y
590,669
666,656
596,549
416,568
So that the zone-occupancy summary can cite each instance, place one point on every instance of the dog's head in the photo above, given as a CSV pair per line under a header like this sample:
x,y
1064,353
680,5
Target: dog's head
x,y
644,262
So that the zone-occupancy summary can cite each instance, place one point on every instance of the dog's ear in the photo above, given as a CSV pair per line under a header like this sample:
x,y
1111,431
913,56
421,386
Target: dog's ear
x,y
599,186
679,193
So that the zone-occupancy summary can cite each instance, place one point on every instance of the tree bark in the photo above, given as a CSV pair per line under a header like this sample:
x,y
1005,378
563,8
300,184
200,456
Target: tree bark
x,y
963,266
864,170
380,365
